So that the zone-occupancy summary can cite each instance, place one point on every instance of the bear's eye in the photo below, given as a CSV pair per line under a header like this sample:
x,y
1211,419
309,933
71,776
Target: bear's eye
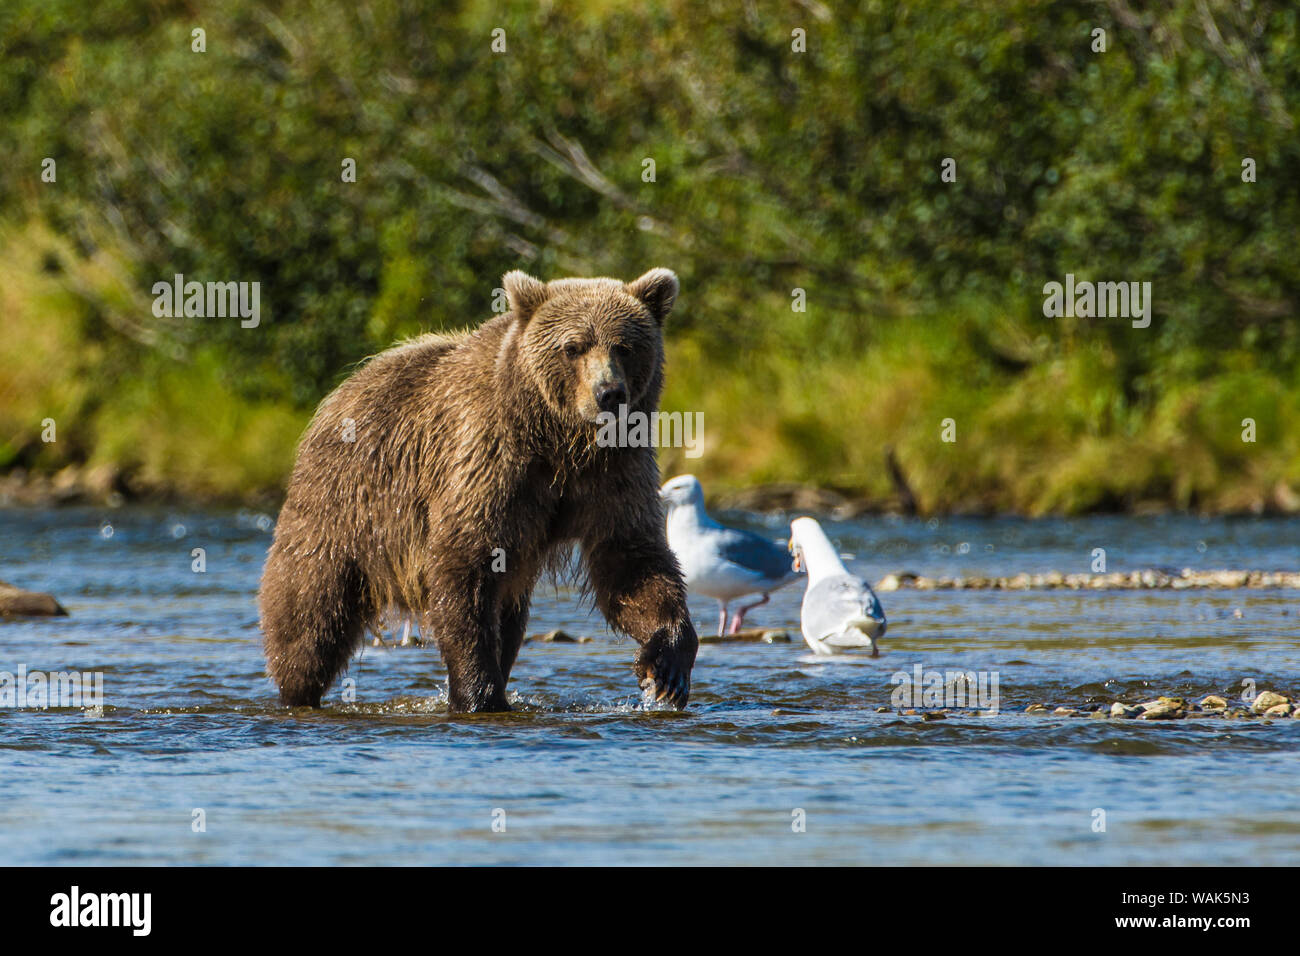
x,y
621,352
572,350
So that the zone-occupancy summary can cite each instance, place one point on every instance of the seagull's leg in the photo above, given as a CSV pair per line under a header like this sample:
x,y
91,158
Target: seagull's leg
x,y
722,621
740,615
380,630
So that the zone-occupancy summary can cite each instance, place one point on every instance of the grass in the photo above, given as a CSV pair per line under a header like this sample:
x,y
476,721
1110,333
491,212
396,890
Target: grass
x,y
1041,426
171,423
1057,436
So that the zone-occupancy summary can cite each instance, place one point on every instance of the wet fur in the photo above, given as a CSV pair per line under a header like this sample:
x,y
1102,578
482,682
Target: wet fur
x,y
464,444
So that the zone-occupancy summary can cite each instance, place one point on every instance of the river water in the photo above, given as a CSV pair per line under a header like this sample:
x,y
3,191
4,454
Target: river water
x,y
781,758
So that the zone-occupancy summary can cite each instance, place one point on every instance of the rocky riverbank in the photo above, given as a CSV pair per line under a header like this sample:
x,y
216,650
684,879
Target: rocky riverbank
x,y
847,504
1148,579
1264,705
1267,706
110,485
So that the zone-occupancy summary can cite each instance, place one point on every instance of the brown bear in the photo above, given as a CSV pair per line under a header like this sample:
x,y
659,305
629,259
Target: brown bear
x,y
448,472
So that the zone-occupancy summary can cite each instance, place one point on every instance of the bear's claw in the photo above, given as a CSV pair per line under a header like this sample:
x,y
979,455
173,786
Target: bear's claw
x,y
675,689
665,674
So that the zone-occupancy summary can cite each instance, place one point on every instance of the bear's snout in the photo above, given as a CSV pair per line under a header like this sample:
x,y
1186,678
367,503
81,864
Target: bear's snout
x,y
610,395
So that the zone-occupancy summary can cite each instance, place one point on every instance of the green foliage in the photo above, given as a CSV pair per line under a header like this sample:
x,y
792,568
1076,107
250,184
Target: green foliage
x,y
775,170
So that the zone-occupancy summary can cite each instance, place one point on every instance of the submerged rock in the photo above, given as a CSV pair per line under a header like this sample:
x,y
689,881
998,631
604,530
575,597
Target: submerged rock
x,y
1146,579
1213,702
1162,712
15,602
890,582
1165,708
1267,700
558,636
768,635
1119,709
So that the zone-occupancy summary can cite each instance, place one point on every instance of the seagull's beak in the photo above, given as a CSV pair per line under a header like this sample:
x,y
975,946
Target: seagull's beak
x,y
797,563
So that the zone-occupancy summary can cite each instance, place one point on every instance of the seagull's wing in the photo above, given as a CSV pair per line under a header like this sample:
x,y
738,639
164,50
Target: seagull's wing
x,y
834,604
770,562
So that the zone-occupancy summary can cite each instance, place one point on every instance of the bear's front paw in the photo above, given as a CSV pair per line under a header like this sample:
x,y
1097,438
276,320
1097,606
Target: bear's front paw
x,y
663,667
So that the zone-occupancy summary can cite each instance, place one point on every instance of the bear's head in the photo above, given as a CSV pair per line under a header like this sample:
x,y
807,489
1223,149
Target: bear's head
x,y
591,345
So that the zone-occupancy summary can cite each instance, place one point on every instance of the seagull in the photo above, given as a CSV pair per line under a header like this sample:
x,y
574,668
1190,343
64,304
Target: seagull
x,y
723,563
840,611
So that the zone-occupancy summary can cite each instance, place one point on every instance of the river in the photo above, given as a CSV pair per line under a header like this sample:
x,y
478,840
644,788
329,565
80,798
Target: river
x,y
780,759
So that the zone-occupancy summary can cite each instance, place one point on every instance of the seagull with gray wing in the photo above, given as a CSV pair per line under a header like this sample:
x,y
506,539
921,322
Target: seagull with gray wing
x,y
723,563
840,611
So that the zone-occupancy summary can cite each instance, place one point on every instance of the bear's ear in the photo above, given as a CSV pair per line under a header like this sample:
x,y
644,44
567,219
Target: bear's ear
x,y
524,293
657,290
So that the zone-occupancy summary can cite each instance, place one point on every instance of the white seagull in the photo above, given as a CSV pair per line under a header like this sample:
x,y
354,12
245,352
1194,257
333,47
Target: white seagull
x,y
840,611
723,563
